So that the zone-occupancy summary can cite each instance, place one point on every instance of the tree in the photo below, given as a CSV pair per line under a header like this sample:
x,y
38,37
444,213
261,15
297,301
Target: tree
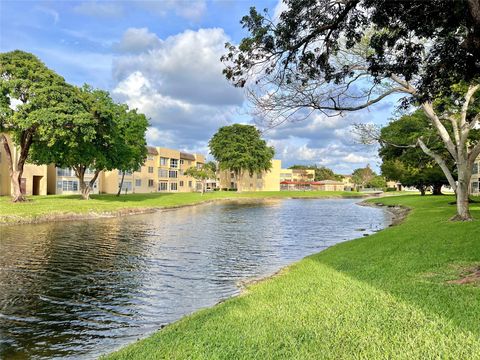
x,y
131,144
202,174
404,162
103,136
362,176
240,149
33,98
377,182
336,56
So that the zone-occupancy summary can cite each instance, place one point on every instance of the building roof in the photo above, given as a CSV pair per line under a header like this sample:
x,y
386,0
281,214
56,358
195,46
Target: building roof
x,y
187,156
152,150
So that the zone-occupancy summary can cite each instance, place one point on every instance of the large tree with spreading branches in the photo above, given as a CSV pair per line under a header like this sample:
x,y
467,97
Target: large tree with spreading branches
x,y
336,56
33,99
240,149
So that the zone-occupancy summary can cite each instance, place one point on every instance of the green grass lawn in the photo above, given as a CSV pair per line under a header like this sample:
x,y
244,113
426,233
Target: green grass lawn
x,y
47,207
386,296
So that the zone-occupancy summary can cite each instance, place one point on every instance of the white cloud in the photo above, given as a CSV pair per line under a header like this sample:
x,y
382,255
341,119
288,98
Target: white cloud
x,y
178,84
137,40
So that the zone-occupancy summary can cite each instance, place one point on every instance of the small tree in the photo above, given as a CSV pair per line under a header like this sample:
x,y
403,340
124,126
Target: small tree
x,y
131,144
33,99
202,174
362,176
240,149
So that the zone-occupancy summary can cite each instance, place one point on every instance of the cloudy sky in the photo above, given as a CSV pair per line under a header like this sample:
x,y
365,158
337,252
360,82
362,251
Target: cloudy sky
x,y
162,57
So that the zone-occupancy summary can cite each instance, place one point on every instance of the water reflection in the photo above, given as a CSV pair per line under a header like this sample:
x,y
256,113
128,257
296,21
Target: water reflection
x,y
80,289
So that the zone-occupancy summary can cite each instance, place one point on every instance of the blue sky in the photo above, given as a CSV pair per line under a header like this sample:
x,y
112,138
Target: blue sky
x,y
162,57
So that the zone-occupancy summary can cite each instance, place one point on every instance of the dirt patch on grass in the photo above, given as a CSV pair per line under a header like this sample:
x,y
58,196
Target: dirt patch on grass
x,y
470,275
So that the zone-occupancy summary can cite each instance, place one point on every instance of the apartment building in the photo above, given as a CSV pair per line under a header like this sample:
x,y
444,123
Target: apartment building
x,y
297,175
163,171
262,181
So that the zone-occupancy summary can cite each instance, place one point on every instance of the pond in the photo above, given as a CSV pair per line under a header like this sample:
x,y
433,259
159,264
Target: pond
x,y
81,289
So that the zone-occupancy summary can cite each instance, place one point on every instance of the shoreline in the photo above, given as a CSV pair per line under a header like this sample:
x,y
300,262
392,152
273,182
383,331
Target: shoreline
x,y
128,211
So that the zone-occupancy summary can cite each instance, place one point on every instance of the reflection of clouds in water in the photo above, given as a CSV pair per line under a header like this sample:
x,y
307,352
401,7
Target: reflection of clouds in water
x,y
93,286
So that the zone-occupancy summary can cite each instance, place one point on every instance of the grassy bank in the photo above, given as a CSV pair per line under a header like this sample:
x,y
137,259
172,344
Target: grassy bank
x,y
393,295
44,208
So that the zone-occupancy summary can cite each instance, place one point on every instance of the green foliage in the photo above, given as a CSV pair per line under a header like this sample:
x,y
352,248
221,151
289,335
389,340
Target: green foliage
x,y
102,135
362,176
305,43
377,182
410,165
239,148
40,98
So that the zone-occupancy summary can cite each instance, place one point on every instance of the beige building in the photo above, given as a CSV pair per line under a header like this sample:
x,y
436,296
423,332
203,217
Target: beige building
x,y
263,181
34,177
475,181
297,175
163,171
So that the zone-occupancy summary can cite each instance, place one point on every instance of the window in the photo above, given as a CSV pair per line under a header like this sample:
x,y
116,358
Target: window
x,y
65,172
190,184
150,169
173,163
150,182
475,187
181,183
149,157
70,185
127,173
232,175
138,182
259,176
172,174
173,186
182,161
199,166
127,185
475,168
163,161
162,173
162,186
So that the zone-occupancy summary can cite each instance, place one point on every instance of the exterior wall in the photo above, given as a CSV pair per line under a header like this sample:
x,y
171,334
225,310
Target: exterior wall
x,y
161,172
35,176
475,181
297,175
339,186
64,182
264,181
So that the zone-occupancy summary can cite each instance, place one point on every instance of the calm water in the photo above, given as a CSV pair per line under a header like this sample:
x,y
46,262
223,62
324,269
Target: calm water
x,y
81,289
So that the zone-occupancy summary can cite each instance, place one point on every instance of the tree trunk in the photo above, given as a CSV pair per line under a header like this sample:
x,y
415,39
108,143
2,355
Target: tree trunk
x,y
203,187
437,189
238,176
121,184
422,189
462,193
15,169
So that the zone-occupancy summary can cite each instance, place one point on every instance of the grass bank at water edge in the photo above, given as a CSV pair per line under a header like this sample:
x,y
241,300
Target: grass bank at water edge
x,y
54,207
399,294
